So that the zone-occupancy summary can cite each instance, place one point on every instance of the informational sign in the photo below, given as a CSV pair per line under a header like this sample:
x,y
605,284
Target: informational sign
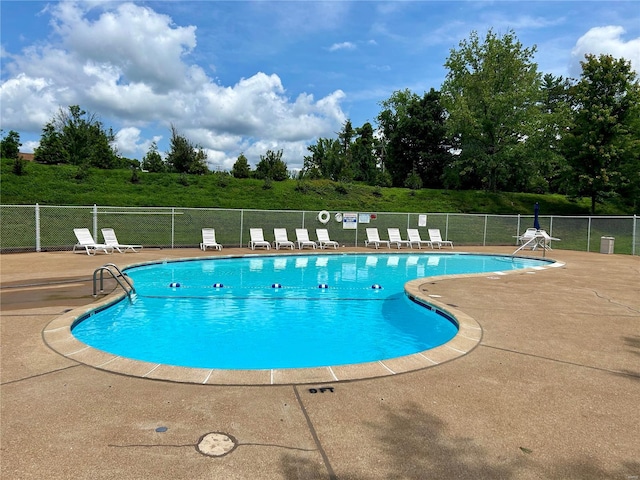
x,y
350,221
422,220
364,218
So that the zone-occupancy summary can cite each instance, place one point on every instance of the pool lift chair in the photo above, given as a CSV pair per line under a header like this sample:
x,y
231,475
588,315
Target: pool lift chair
x,y
436,238
414,237
86,241
257,239
110,239
533,239
281,239
395,237
302,239
323,239
373,238
209,239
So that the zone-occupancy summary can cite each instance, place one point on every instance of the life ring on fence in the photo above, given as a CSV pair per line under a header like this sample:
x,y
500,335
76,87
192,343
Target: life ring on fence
x,y
324,216
338,217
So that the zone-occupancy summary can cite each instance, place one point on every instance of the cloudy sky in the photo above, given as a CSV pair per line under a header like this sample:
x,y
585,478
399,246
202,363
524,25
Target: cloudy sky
x,y
248,76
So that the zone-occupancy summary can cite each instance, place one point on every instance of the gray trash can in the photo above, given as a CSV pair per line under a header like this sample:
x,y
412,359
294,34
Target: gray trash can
x,y
606,244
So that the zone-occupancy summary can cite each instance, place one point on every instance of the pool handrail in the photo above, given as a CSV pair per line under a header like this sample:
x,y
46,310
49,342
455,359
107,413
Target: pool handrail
x,y
107,267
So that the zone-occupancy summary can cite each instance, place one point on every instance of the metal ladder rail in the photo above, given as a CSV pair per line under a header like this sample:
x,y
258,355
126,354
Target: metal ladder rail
x,y
107,267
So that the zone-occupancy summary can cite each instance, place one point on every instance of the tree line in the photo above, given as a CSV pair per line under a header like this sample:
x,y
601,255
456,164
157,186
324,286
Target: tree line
x,y
497,124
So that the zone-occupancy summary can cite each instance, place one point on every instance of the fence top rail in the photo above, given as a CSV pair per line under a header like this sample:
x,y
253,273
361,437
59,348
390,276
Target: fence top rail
x,y
167,210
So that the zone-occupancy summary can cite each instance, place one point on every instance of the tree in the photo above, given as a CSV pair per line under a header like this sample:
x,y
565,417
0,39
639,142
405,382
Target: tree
x,y
152,161
324,161
241,167
10,145
602,143
78,137
184,157
363,155
345,168
272,167
51,149
84,138
415,137
425,139
394,111
491,94
549,164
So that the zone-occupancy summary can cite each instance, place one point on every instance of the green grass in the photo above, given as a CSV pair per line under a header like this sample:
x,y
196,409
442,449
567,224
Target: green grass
x,y
56,185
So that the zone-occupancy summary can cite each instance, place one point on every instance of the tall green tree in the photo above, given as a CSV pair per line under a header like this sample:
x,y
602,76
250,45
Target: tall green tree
x,y
77,137
491,93
363,155
549,166
241,168
184,157
51,149
415,136
271,166
152,161
10,145
324,161
345,167
395,158
602,145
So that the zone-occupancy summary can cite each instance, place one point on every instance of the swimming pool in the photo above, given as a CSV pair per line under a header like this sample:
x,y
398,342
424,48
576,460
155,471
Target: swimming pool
x,y
293,311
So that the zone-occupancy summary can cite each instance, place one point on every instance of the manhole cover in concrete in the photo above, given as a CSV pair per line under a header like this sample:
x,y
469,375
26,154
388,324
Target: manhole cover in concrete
x,y
216,444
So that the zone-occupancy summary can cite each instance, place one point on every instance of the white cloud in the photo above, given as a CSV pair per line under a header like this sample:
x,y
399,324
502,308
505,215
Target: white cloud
x,y
142,45
342,46
132,66
606,40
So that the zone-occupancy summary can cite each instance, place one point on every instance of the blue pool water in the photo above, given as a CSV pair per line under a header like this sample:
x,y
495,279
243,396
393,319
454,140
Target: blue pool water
x,y
280,311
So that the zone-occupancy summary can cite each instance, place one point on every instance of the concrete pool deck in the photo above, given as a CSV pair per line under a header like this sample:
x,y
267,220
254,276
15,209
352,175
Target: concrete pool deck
x,y
550,391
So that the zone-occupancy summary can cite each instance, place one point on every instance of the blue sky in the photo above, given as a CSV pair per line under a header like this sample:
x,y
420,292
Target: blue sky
x,y
244,77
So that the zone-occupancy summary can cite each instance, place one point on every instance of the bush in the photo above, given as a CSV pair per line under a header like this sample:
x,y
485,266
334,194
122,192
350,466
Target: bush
x,y
413,181
18,167
341,188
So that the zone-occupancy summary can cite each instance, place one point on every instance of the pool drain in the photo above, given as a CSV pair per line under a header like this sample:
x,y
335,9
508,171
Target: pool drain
x,y
216,444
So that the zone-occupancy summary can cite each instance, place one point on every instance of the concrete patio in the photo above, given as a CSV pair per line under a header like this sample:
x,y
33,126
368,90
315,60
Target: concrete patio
x,y
552,390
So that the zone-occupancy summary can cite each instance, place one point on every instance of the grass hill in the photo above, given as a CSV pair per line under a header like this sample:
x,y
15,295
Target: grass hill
x,y
58,185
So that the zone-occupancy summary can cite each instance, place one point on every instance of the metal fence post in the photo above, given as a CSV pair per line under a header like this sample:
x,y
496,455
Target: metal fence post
x,y
634,235
241,225
173,225
484,234
95,222
446,229
37,227
588,235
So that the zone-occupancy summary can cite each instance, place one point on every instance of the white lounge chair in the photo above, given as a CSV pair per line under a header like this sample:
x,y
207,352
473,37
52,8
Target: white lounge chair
x,y
257,239
436,238
323,239
414,237
209,239
86,241
281,239
395,237
373,238
302,239
110,239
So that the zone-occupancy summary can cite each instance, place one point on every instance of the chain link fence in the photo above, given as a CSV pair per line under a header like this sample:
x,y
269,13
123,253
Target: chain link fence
x,y
38,228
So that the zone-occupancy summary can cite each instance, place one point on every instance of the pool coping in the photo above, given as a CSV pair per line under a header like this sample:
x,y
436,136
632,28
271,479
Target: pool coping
x,y
57,336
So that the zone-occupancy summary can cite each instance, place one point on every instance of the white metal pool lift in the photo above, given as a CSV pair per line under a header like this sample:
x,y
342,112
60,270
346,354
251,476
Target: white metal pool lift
x,y
540,238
